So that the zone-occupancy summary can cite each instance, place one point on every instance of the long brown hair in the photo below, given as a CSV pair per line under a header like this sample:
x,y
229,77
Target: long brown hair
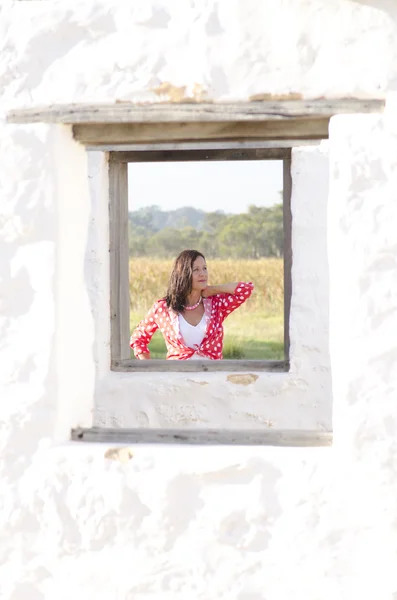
x,y
180,283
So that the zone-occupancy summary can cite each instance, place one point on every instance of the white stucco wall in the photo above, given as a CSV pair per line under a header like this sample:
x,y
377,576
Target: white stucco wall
x,y
227,49
171,522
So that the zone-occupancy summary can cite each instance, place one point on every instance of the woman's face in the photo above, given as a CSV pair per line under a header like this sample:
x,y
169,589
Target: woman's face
x,y
200,274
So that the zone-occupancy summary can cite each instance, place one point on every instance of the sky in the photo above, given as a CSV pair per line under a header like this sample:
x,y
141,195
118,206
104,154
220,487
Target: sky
x,y
230,186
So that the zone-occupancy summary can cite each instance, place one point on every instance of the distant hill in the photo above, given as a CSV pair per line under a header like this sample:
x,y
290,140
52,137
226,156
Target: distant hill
x,y
253,234
153,219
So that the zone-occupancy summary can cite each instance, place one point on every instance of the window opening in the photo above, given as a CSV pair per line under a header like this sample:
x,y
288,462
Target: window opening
x,y
232,206
232,212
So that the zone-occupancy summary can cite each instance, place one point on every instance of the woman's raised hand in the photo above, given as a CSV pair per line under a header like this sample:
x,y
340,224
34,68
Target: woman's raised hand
x,y
207,291
224,288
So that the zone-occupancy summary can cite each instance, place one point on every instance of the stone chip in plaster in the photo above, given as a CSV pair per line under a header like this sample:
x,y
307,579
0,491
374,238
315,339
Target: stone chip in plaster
x,y
121,454
242,379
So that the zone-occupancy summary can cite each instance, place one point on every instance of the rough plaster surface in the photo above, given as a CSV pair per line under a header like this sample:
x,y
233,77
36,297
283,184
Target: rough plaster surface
x,y
362,213
363,261
154,50
169,523
196,523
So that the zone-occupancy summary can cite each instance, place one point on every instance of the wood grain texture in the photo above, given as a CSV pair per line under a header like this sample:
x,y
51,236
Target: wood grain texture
x,y
200,155
240,366
199,145
287,258
119,262
128,133
126,112
294,438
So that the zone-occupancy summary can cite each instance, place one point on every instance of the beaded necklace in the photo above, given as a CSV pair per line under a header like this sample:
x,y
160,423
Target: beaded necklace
x,y
194,305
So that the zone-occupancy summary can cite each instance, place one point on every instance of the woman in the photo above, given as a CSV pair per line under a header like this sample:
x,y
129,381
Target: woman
x,y
190,316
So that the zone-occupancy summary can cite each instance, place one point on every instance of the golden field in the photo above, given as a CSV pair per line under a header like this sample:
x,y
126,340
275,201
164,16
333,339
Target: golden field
x,y
149,278
253,331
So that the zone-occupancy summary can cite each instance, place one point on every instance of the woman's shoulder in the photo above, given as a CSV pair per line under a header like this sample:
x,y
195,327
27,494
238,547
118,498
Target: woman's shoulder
x,y
157,310
160,306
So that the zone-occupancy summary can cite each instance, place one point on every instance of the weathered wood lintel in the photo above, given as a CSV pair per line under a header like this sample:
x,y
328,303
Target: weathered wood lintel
x,y
241,437
207,366
200,155
199,145
128,112
92,134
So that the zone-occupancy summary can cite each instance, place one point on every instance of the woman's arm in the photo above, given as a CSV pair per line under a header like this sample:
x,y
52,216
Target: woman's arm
x,y
142,335
224,288
229,296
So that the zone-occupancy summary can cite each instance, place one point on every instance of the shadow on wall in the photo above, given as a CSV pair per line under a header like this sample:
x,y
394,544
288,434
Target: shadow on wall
x,y
39,59
27,294
388,6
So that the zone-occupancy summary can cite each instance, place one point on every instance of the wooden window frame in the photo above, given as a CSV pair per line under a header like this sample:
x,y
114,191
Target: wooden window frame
x,y
119,256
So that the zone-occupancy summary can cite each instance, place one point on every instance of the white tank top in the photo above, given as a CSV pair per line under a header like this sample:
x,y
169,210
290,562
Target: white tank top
x,y
193,335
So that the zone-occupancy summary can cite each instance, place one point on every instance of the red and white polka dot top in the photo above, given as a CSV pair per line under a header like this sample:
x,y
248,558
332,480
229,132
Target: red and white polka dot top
x,y
216,309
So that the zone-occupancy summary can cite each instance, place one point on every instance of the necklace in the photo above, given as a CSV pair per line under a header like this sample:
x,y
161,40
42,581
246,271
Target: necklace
x,y
194,305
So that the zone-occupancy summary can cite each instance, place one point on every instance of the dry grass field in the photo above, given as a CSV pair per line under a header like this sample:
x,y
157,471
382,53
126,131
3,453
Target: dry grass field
x,y
254,331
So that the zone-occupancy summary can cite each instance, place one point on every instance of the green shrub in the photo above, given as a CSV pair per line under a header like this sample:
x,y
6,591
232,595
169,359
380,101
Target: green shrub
x,y
232,350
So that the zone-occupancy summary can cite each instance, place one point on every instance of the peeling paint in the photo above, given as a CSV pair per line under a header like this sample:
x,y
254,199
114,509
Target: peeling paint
x,y
121,454
180,94
200,94
198,382
275,97
172,92
242,379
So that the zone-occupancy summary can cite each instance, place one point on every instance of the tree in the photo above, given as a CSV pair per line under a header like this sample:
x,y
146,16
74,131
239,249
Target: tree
x,y
254,234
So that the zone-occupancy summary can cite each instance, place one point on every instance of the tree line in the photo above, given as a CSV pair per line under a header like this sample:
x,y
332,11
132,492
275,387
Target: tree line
x,y
254,234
